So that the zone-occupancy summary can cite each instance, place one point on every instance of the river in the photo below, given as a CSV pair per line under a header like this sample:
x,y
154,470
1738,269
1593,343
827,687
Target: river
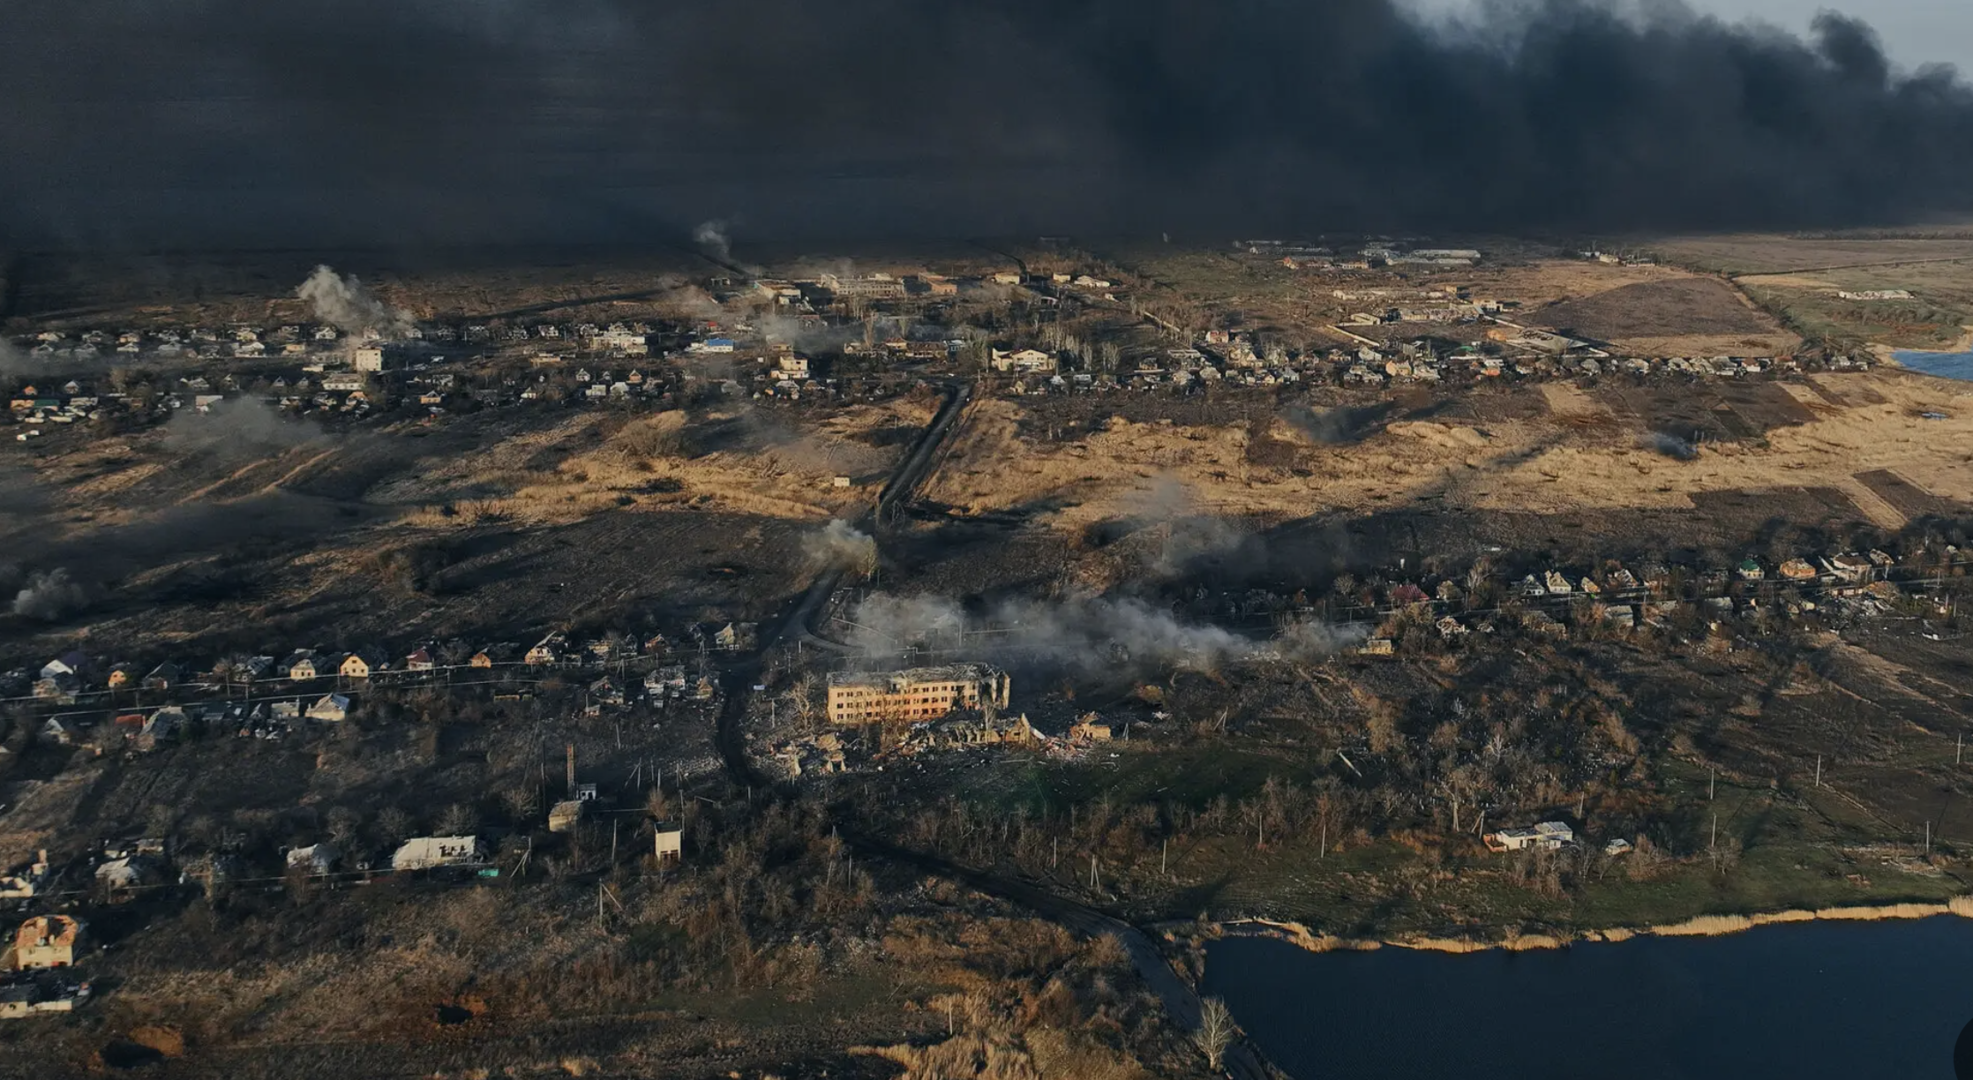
x,y
1796,1001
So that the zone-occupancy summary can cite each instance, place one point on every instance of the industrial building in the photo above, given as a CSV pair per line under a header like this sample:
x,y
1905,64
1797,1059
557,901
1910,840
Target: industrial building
x,y
915,694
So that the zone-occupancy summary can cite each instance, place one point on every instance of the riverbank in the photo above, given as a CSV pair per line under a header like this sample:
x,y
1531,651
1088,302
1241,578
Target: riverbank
x,y
1820,999
1700,926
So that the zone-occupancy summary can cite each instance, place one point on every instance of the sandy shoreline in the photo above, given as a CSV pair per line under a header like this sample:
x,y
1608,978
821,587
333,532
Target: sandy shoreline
x,y
1700,926
1887,354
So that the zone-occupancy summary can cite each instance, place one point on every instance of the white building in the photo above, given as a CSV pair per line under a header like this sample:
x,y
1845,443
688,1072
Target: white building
x,y
1548,836
430,852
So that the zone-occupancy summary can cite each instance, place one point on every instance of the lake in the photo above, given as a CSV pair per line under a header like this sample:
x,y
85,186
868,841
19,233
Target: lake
x,y
1947,365
1795,1001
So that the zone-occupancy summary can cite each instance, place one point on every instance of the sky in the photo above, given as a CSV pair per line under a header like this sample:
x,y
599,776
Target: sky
x,y
1914,32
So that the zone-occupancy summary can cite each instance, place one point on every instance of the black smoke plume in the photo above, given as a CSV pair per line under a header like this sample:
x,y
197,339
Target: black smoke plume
x,y
398,123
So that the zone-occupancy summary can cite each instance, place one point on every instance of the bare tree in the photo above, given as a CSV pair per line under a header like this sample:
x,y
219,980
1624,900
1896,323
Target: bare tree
x,y
1216,1031
343,823
521,803
801,701
459,819
395,825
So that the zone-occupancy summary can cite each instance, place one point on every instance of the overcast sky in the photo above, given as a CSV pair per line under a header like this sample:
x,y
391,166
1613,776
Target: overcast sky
x,y
1915,32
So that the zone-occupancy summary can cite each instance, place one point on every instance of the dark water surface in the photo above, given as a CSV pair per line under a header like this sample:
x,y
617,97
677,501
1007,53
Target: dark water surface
x,y
1945,365
1807,1000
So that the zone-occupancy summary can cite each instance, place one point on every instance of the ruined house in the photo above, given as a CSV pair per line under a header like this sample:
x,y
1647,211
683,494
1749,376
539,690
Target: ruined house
x,y
46,941
564,816
313,859
915,694
548,650
24,881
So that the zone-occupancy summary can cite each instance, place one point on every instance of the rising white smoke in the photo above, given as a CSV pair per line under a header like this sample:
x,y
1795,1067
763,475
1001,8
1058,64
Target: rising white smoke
x,y
345,304
1183,533
237,427
711,235
1095,634
841,546
50,596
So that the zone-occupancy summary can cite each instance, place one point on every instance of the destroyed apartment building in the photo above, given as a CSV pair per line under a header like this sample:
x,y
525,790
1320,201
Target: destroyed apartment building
x,y
915,694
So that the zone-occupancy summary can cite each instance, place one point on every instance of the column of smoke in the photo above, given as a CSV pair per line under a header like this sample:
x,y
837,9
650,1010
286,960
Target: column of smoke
x,y
11,360
712,238
50,595
841,546
1090,635
345,304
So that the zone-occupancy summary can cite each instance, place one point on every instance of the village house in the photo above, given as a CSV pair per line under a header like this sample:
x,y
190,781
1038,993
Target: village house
x,y
548,650
1798,570
331,707
491,655
433,852
61,687
314,859
119,877
367,358
668,844
46,941
161,727
301,666
165,676
915,694
1023,362
362,663
733,637
420,659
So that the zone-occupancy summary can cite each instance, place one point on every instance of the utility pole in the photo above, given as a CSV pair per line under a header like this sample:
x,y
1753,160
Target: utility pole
x,y
1928,838
1712,781
1093,883
571,748
1164,853
1818,770
1714,843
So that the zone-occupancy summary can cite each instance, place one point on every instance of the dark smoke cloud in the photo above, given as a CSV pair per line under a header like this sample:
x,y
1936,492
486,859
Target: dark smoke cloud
x,y
416,122
1671,446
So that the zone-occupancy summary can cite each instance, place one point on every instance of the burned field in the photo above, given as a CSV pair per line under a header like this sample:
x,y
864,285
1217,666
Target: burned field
x,y
1677,307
